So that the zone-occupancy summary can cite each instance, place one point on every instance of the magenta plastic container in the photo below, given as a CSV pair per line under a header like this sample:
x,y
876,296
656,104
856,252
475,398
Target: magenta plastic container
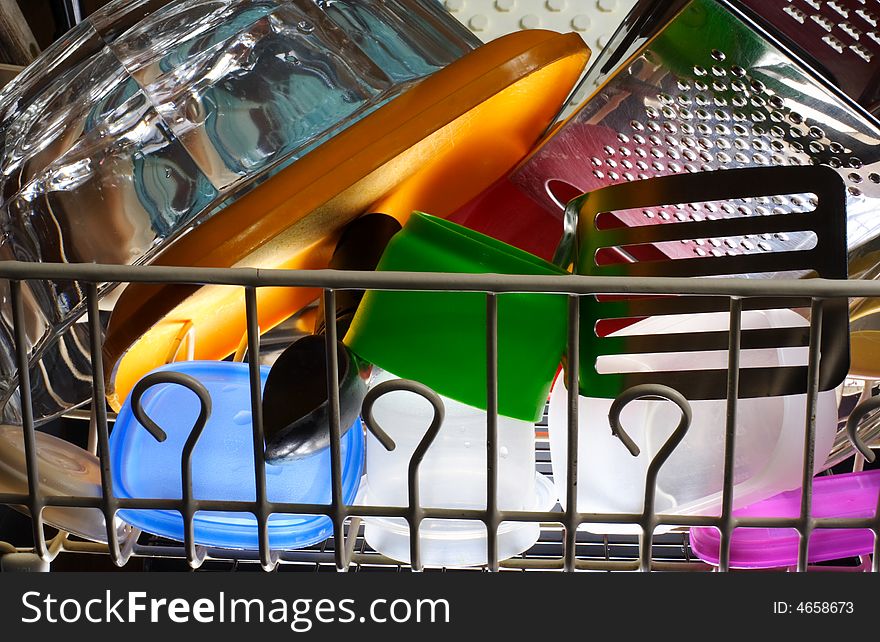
x,y
851,495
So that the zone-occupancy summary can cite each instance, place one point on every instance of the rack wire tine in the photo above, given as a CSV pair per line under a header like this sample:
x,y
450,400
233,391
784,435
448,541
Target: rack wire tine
x,y
109,505
572,517
733,360
648,520
806,522
338,507
492,431
36,500
267,560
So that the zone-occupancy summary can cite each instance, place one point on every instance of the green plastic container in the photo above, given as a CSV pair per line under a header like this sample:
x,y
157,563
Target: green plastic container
x,y
439,338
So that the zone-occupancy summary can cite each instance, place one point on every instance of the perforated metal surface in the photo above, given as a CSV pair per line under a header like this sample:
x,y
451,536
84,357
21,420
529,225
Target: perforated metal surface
x,y
842,36
709,91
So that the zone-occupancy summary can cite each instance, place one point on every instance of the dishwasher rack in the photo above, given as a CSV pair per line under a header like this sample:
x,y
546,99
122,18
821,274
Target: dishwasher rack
x,y
346,545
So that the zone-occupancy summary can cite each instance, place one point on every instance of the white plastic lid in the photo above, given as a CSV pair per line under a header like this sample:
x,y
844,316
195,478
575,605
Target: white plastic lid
x,y
64,469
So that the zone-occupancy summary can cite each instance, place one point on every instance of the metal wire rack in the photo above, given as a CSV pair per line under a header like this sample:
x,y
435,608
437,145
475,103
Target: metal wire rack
x,y
561,547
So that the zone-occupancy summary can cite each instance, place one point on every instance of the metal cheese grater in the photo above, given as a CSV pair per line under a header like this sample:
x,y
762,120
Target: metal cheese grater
x,y
840,37
599,244
689,86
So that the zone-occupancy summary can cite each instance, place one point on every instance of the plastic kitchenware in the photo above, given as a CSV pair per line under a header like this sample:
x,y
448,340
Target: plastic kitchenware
x,y
295,411
685,87
598,244
222,463
439,338
150,117
65,471
432,147
594,21
452,475
769,430
851,495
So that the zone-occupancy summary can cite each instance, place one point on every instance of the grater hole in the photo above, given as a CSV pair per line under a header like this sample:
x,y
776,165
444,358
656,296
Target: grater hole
x,y
720,101
822,21
862,52
854,177
699,71
854,191
836,147
850,30
839,9
833,42
867,16
636,125
796,13
684,99
623,138
874,177
719,71
854,163
718,55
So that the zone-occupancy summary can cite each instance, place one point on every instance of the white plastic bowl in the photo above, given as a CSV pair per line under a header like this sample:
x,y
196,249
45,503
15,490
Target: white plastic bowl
x,y
769,434
452,475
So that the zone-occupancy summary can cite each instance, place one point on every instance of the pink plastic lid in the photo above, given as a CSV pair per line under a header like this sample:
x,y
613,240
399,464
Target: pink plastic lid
x,y
851,495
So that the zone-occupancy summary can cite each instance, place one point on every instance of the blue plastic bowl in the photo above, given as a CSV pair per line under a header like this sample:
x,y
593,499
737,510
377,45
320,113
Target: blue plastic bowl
x,y
222,464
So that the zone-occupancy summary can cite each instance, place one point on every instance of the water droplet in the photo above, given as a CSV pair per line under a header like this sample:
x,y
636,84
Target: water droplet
x,y
503,452
242,417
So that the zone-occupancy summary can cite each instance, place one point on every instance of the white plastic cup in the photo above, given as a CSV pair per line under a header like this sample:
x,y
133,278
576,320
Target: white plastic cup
x,y
769,432
453,474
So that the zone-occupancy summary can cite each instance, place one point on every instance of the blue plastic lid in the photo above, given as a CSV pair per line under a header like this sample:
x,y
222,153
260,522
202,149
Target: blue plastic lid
x,y
222,464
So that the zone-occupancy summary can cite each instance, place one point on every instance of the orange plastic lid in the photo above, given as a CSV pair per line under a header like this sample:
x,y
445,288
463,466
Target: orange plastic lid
x,y
432,148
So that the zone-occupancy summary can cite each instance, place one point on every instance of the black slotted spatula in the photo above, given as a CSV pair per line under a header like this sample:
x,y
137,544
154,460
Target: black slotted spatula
x,y
705,215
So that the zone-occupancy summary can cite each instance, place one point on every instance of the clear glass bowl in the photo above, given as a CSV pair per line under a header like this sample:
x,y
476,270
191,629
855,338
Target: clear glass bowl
x,y
152,115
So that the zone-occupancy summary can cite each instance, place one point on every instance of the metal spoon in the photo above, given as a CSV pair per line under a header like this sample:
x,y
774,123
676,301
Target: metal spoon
x,y
295,404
